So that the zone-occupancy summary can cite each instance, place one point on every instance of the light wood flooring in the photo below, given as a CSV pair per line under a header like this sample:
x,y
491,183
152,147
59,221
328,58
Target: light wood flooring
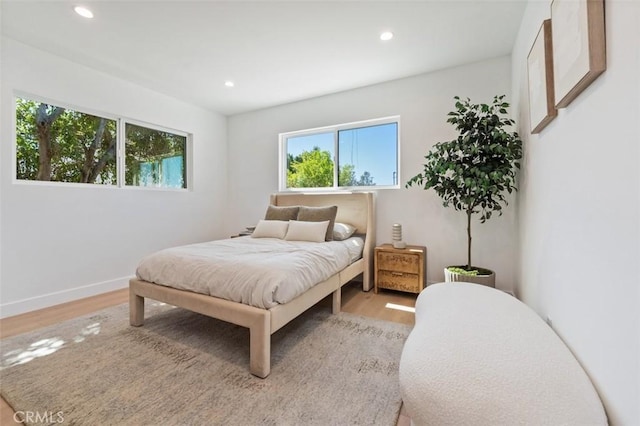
x,y
353,300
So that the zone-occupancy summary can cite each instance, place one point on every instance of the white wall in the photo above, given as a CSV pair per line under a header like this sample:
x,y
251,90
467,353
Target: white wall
x,y
65,242
579,212
422,102
1,167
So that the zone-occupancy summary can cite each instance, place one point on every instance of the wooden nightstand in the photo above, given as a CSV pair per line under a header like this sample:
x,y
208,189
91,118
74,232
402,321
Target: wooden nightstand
x,y
400,269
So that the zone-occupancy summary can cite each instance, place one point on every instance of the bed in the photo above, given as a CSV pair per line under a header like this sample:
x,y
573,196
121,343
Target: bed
x,y
356,209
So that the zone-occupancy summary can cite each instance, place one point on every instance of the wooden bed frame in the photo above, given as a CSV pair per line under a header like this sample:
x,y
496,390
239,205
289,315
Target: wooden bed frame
x,y
356,209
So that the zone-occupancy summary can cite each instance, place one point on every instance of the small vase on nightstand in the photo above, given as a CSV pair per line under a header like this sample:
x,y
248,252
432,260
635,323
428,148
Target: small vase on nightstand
x,y
396,237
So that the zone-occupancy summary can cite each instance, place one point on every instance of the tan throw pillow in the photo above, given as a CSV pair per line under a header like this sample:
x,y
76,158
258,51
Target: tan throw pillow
x,y
314,232
319,214
281,213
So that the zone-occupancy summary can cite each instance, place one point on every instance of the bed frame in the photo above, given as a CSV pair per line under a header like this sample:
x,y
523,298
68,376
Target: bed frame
x,y
356,209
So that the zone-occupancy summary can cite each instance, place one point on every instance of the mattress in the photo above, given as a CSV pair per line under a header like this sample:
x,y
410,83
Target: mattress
x,y
261,272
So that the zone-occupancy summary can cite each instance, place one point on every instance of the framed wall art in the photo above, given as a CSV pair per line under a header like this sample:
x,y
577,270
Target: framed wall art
x,y
579,51
542,108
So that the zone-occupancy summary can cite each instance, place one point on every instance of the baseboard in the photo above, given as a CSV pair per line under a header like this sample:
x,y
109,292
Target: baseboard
x,y
46,300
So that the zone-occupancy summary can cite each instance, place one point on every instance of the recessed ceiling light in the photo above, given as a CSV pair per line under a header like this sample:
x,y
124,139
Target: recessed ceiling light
x,y
385,36
229,83
83,11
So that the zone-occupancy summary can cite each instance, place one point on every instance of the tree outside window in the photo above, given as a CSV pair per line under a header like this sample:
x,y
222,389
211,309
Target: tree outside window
x,y
59,144
63,145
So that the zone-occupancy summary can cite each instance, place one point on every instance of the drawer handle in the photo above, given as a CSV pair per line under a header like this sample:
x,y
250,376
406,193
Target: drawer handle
x,y
397,274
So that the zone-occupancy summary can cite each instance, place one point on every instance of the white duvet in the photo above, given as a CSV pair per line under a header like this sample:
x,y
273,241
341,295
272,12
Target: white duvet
x,y
261,272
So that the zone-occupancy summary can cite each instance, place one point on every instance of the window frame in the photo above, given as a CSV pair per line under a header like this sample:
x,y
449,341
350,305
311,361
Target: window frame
x,y
282,154
121,122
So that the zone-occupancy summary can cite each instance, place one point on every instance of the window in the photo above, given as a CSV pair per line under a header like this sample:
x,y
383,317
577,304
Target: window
x,y
62,145
154,157
59,144
310,160
362,154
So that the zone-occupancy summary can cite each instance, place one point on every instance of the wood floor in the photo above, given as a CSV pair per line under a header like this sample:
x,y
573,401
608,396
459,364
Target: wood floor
x,y
354,300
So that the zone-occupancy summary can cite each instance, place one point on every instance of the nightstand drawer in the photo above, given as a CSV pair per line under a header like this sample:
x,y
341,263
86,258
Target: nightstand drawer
x,y
399,262
402,281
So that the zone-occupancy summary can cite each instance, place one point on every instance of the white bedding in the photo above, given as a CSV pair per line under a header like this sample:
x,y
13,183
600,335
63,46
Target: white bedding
x,y
261,272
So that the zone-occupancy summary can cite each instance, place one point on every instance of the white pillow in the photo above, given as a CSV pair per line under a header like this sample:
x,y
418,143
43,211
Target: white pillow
x,y
270,229
342,231
307,231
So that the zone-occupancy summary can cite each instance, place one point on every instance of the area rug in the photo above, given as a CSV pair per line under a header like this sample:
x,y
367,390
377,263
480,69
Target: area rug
x,y
184,368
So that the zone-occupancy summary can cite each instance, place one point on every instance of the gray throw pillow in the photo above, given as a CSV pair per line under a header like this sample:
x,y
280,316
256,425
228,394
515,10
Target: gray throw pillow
x,y
319,214
281,213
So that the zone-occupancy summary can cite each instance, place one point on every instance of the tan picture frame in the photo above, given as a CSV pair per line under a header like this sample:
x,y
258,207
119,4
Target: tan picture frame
x,y
542,108
579,47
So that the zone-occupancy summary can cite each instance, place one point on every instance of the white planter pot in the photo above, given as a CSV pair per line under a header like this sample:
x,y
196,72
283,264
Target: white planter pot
x,y
488,280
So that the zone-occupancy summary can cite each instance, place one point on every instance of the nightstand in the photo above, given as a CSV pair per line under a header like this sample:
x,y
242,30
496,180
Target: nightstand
x,y
400,269
244,233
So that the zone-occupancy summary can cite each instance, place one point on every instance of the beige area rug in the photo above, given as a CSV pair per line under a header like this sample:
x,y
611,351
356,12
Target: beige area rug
x,y
183,368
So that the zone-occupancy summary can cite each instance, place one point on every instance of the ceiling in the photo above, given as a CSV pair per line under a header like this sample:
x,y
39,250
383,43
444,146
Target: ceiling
x,y
275,52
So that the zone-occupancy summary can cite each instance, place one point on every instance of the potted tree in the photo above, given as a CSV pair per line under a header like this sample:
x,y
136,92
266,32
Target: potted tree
x,y
474,172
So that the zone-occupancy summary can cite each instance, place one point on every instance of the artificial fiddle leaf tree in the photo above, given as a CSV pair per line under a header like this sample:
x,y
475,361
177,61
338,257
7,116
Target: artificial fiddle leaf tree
x,y
473,172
